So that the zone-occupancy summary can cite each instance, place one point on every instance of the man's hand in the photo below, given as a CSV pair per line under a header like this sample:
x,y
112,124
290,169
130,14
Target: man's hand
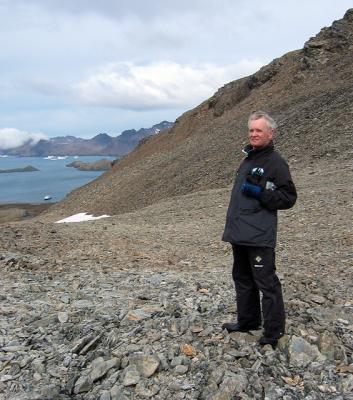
x,y
251,190
254,184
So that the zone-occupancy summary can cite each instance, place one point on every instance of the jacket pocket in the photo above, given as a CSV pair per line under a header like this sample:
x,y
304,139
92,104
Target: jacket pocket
x,y
249,211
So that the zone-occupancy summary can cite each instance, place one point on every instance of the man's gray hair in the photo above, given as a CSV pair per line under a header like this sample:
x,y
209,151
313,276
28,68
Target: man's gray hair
x,y
262,114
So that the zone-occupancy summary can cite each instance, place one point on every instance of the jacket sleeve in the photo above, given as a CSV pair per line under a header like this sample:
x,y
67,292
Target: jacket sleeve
x,y
285,194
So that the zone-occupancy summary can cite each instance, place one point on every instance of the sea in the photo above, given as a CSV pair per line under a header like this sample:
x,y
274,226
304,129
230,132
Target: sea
x,y
53,180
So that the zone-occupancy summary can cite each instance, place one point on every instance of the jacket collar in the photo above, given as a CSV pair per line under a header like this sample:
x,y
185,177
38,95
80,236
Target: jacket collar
x,y
251,152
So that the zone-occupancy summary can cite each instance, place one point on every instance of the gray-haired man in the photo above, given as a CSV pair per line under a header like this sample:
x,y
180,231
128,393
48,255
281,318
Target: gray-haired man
x,y
262,186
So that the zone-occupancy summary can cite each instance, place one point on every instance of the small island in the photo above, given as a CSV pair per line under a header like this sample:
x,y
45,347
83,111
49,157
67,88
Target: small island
x,y
28,168
100,165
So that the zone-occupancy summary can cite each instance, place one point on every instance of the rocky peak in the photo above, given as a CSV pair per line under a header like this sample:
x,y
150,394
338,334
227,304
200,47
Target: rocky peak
x,y
102,139
338,38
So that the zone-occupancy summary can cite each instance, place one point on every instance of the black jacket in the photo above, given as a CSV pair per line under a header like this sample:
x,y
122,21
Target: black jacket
x,y
253,222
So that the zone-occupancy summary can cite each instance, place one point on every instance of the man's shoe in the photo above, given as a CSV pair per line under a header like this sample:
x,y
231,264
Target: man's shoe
x,y
266,340
236,327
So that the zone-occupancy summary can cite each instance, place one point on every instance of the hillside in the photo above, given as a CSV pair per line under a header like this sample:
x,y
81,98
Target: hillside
x,y
310,93
131,307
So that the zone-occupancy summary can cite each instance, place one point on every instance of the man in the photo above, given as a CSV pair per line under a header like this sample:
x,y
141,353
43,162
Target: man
x,y
262,186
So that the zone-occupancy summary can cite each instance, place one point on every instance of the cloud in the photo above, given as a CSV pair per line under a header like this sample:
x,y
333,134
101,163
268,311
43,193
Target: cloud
x,y
12,137
119,9
159,85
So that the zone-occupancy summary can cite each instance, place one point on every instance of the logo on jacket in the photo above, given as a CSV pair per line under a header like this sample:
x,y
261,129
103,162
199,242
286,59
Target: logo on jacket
x,y
258,259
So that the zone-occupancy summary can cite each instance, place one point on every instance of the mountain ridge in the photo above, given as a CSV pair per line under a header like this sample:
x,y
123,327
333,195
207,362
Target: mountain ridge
x,y
101,144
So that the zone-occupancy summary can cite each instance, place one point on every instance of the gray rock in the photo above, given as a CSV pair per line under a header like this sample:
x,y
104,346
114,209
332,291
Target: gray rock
x,y
301,353
90,345
6,378
105,395
13,349
146,392
317,299
347,384
216,375
131,376
146,365
83,384
82,304
273,392
38,365
231,386
327,343
177,361
163,361
63,317
101,367
67,360
156,278
181,369
117,393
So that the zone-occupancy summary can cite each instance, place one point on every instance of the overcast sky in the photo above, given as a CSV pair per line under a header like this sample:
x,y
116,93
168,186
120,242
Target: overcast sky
x,y
82,67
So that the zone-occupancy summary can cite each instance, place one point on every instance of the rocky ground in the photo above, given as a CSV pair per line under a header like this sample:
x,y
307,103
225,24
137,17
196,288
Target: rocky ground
x,y
130,307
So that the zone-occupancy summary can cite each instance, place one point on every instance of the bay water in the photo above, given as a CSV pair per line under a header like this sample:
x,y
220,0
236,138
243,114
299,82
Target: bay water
x,y
53,179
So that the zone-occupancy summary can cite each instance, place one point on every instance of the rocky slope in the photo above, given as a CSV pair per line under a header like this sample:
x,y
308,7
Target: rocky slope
x,y
130,307
309,92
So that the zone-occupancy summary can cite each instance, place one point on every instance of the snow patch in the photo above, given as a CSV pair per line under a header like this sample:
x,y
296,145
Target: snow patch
x,y
81,217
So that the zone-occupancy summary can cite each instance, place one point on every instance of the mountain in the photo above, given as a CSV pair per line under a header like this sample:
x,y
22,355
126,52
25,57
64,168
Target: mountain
x,y
308,91
102,144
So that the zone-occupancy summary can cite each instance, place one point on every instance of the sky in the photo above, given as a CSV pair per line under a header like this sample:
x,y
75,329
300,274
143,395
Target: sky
x,y
84,67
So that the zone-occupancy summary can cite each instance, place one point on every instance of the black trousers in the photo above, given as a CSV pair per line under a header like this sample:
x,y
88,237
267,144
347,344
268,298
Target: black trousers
x,y
254,271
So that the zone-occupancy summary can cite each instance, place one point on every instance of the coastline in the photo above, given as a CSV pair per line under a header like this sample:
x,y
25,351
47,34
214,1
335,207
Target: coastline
x,y
10,212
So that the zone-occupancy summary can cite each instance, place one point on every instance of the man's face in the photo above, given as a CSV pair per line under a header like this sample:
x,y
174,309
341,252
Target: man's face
x,y
260,134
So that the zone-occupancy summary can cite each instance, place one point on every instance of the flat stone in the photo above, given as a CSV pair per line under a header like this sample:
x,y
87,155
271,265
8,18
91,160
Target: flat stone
x,y
83,384
6,378
105,395
231,386
63,317
317,299
347,384
301,353
146,365
117,393
177,361
131,376
196,329
155,279
90,345
82,304
146,392
239,337
327,343
13,349
181,369
37,377
101,367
